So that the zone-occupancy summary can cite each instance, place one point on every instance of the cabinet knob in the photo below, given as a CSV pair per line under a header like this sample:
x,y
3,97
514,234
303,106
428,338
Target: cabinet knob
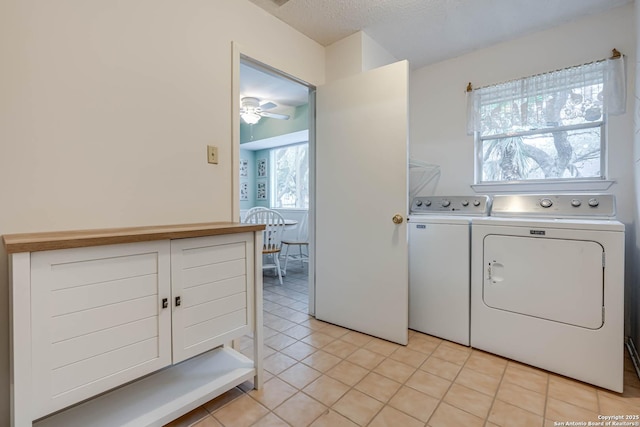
x,y
178,301
165,302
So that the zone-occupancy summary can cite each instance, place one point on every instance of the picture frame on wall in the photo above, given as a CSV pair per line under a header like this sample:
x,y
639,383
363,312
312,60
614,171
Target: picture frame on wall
x,y
262,168
244,191
261,193
244,167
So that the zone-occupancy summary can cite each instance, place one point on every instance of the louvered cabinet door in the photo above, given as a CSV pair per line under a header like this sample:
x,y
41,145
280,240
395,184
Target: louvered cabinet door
x,y
212,292
97,320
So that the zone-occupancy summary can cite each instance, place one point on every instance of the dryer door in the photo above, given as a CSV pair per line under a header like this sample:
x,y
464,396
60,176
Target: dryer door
x,y
554,279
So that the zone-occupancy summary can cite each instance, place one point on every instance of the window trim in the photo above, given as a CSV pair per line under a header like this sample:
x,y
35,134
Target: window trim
x,y
614,103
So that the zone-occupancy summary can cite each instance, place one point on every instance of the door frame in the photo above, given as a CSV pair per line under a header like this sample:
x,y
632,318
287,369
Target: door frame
x,y
241,53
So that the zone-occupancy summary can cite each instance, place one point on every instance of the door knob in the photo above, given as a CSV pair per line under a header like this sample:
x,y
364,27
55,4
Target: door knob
x,y
397,219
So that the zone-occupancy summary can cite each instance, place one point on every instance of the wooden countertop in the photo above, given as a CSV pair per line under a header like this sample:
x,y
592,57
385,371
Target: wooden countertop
x,y
33,242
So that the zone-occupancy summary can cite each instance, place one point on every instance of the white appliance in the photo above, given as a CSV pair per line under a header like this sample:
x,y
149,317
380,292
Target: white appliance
x,y
547,285
439,264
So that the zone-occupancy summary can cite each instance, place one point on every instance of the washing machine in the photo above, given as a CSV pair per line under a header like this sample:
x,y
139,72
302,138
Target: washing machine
x,y
439,264
547,285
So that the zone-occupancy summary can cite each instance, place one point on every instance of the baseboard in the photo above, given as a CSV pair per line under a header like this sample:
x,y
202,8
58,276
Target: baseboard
x,y
631,348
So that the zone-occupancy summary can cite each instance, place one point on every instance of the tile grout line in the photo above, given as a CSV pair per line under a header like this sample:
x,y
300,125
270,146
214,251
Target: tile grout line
x,y
353,387
546,398
279,306
495,395
299,390
452,381
397,391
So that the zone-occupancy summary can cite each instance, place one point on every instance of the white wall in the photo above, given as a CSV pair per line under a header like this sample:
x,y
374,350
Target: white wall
x,y
106,108
374,55
344,57
354,54
438,109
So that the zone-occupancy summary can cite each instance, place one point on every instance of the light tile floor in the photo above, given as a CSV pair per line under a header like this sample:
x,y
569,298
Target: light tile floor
x,y
320,374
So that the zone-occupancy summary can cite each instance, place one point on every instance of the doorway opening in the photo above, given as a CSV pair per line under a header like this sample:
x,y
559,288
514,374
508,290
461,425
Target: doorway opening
x,y
276,171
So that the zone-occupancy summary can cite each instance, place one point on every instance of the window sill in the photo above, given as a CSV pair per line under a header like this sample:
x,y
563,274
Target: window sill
x,y
598,185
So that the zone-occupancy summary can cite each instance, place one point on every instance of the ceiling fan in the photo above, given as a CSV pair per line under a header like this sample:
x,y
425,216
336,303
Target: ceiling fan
x,y
252,110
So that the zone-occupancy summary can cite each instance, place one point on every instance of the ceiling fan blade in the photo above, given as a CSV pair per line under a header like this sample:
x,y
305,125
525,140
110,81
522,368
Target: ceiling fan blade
x,y
274,115
267,105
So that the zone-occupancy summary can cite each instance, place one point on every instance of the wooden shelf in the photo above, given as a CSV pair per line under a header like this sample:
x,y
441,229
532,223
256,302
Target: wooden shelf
x,y
34,242
163,396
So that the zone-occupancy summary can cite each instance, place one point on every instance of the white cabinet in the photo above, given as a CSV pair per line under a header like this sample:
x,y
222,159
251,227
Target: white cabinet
x,y
212,302
97,320
87,320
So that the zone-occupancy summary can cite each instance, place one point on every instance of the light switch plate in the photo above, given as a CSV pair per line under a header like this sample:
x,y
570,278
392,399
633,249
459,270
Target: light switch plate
x,y
212,154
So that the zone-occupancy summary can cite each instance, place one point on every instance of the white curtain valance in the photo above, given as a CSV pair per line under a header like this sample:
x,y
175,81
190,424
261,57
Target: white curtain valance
x,y
581,94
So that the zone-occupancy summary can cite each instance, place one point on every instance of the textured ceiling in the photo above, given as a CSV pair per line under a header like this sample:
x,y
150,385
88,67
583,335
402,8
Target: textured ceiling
x,y
428,31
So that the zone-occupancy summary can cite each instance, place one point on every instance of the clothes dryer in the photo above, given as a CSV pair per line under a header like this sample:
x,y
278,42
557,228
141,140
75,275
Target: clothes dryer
x,y
439,264
547,285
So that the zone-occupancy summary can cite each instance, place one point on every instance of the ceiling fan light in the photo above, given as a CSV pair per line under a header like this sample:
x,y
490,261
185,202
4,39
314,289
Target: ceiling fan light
x,y
250,118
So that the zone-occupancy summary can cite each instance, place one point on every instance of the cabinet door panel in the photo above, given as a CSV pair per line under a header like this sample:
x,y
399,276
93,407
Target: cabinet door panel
x,y
197,257
84,322
97,320
86,371
219,307
213,291
213,276
87,297
222,326
196,276
86,346
68,273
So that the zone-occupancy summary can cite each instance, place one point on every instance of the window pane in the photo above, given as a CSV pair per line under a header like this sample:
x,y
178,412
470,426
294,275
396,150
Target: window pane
x,y
291,177
558,155
572,106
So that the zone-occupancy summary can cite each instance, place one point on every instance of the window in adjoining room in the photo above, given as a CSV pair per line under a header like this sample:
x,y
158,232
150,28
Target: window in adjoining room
x,y
547,127
290,177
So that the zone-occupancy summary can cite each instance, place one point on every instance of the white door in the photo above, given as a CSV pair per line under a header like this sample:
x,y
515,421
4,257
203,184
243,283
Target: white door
x,y
361,183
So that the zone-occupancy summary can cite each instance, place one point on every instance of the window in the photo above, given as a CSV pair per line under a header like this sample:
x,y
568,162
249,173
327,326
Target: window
x,y
290,177
546,127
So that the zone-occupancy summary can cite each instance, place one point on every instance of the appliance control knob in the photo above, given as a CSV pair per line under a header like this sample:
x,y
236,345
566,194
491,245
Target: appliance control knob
x,y
594,203
419,203
445,203
476,203
546,203
575,203
465,203
427,203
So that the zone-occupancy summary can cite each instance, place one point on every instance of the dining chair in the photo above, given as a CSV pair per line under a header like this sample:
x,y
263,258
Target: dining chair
x,y
253,209
271,236
301,241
